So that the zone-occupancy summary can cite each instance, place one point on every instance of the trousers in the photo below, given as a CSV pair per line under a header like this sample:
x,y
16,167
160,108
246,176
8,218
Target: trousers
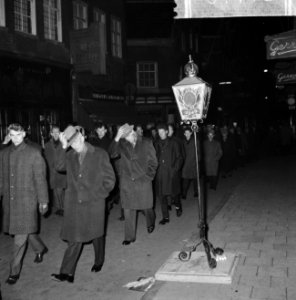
x,y
73,251
19,247
130,216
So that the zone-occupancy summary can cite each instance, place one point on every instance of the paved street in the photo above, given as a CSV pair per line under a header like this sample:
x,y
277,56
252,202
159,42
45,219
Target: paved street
x,y
257,222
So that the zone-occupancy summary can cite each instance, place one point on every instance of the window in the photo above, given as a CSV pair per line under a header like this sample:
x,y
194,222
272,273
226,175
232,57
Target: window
x,y
25,16
116,37
2,13
52,20
147,75
79,15
100,17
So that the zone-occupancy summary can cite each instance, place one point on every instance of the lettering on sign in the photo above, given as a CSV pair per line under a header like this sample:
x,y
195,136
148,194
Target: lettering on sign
x,y
87,49
281,47
286,77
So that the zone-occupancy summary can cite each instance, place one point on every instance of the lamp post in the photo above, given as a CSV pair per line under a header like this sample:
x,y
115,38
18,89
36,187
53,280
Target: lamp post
x,y
193,95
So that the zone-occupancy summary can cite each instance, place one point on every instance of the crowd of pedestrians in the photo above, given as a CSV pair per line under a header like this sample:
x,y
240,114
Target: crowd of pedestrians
x,y
80,176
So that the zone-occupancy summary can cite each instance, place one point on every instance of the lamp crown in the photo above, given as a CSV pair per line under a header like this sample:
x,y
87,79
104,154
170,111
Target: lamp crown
x,y
191,69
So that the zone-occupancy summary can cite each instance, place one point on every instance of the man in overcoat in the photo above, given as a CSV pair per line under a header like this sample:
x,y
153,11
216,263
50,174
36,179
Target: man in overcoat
x,y
212,154
189,171
137,168
90,178
23,187
57,180
168,177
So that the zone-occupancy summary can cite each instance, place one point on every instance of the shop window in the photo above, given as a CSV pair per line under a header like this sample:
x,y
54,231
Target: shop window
x,y
25,16
147,74
80,15
116,37
52,20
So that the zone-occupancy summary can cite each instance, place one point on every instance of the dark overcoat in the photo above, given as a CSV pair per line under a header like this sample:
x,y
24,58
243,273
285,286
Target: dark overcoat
x,y
170,161
229,157
137,168
51,153
88,185
189,166
212,155
23,185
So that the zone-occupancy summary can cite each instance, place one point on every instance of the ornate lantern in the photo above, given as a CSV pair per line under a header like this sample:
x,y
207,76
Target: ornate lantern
x,y
192,94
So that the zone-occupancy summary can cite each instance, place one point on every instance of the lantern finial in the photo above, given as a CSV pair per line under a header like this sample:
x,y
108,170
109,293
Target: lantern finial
x,y
190,69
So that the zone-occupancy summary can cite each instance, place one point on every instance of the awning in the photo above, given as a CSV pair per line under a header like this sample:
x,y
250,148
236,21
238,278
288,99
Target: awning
x,y
282,45
189,9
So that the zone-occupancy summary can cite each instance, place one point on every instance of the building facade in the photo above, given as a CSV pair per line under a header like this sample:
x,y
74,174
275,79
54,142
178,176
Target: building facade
x,y
61,61
34,65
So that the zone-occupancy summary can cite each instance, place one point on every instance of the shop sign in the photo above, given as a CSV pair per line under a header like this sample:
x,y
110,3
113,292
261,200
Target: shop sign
x,y
286,77
189,9
281,46
88,50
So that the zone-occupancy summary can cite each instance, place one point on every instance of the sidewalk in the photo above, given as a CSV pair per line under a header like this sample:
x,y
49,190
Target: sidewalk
x,y
259,224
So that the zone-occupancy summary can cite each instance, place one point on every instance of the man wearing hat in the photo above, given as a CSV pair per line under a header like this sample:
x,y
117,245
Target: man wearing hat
x,y
137,168
23,186
90,179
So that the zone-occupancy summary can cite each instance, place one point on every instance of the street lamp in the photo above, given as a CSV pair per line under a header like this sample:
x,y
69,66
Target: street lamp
x,y
193,95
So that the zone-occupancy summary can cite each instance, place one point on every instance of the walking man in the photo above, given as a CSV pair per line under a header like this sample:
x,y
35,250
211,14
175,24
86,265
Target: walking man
x,y
137,168
168,179
23,186
90,178
57,180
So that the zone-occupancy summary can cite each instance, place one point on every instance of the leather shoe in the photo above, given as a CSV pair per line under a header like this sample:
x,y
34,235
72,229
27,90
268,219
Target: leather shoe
x,y
63,277
164,221
179,211
96,268
125,242
150,229
39,256
12,279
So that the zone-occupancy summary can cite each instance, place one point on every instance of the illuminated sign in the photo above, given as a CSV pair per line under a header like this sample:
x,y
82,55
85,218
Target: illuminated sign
x,y
282,45
187,9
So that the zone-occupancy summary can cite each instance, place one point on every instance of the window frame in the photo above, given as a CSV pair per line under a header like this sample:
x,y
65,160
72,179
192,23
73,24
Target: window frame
x,y
116,37
2,13
155,72
99,12
76,18
58,25
32,17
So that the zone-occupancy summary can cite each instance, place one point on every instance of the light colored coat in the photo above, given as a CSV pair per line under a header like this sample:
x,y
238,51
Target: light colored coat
x,y
23,185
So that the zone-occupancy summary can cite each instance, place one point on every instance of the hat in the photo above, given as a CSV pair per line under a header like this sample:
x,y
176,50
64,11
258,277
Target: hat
x,y
71,133
127,129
